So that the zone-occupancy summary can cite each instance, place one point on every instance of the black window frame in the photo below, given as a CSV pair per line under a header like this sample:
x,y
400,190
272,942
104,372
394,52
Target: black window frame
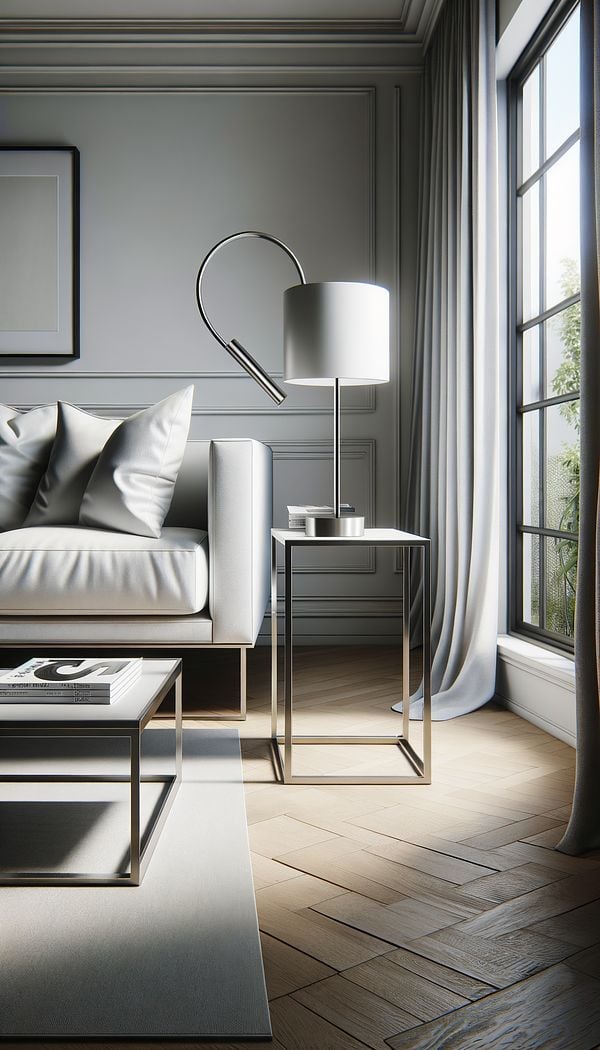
x,y
531,57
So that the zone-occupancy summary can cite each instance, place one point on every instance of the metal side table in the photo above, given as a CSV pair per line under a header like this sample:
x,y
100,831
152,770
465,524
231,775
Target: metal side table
x,y
288,541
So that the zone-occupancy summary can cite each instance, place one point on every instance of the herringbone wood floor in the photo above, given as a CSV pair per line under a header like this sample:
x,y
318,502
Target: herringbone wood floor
x,y
415,916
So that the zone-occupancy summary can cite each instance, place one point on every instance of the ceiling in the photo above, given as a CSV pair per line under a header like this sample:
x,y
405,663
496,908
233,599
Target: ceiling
x,y
399,19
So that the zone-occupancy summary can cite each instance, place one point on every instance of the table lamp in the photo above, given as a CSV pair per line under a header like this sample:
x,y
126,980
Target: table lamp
x,y
336,334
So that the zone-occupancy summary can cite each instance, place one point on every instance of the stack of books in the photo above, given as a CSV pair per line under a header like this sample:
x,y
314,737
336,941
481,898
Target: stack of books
x,y
297,515
69,680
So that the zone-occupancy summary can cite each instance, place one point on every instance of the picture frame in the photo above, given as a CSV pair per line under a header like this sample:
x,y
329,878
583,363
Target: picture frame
x,y
39,261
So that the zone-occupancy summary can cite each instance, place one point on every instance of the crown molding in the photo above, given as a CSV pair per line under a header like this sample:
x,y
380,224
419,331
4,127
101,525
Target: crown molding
x,y
387,28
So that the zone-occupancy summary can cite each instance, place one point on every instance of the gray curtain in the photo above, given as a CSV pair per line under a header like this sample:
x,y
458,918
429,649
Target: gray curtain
x,y
583,832
453,476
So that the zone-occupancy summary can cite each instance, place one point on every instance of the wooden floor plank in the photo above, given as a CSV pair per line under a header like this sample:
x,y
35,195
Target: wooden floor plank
x,y
296,894
555,1009
267,872
273,837
505,885
549,838
410,882
534,907
495,860
397,923
453,980
356,1010
394,821
485,959
428,860
587,961
580,926
521,852
318,863
300,1029
541,950
328,942
513,832
404,988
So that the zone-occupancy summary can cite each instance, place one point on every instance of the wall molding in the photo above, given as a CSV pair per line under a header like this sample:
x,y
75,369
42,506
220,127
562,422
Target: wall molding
x,y
367,406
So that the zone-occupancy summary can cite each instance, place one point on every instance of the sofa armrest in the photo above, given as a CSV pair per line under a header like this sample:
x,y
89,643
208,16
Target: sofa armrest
x,y
240,508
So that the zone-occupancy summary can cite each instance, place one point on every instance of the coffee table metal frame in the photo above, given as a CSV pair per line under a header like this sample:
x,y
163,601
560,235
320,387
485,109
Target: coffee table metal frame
x,y
141,844
405,542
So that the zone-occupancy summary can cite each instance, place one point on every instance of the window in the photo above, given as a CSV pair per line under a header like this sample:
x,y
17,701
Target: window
x,y
545,332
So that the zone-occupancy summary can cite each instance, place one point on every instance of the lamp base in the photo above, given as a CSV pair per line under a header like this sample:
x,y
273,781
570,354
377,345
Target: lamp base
x,y
329,525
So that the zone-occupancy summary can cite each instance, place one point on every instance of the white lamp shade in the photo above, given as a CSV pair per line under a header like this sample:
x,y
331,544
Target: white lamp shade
x,y
336,330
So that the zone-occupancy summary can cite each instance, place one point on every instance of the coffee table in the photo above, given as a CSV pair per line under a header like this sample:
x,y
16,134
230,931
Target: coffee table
x,y
127,717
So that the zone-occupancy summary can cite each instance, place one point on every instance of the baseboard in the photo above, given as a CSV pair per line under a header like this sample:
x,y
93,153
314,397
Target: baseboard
x,y
538,685
526,713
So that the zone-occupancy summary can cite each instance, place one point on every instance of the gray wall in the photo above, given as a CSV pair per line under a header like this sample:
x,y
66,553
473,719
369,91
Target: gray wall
x,y
182,143
505,9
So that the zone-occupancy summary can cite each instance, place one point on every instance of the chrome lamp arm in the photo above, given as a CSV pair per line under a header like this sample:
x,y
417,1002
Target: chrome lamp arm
x,y
234,347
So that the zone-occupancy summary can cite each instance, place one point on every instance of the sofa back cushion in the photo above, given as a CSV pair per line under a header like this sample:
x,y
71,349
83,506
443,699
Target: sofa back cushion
x,y
80,438
25,442
132,484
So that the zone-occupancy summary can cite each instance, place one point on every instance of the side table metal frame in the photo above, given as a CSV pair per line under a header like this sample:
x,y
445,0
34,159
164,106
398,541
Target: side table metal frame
x,y
141,845
283,763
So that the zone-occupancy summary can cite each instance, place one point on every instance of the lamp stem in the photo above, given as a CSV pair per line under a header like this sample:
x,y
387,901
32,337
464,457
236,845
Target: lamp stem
x,y
336,450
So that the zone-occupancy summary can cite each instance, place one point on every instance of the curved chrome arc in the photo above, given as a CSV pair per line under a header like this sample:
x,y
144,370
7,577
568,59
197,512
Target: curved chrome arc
x,y
237,351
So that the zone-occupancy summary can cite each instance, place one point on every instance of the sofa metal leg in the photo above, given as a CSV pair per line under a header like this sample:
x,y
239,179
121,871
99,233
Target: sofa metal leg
x,y
242,715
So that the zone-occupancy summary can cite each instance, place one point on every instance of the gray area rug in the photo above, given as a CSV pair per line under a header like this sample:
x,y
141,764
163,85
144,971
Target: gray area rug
x,y
178,957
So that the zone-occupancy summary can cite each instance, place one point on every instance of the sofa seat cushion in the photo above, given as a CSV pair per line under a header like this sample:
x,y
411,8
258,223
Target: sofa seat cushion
x,y
70,570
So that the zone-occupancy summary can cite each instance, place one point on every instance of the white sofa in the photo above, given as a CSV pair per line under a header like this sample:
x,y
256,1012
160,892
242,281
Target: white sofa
x,y
203,583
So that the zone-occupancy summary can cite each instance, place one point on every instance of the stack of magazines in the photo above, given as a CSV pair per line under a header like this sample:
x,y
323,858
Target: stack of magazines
x,y
69,680
297,515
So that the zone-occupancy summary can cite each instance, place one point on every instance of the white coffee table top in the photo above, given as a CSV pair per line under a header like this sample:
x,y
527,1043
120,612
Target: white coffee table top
x,y
132,710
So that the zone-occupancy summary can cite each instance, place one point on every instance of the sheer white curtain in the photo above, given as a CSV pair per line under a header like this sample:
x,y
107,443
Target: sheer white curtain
x,y
453,476
583,832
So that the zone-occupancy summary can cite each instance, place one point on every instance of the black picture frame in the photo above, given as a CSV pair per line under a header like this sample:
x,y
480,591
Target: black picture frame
x,y
39,262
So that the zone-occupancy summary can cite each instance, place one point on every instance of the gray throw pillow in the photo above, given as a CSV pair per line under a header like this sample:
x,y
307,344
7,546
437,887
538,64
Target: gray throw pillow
x,y
132,485
25,442
80,438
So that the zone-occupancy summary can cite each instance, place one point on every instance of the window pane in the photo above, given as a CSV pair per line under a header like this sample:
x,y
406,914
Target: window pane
x,y
561,425
531,468
562,334
562,85
562,228
531,252
532,390
531,579
560,570
531,125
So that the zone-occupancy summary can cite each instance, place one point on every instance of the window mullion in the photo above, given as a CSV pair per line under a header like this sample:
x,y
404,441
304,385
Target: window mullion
x,y
542,343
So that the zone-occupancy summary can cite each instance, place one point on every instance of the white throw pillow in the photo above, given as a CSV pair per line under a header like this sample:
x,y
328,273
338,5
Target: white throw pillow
x,y
25,443
80,438
132,485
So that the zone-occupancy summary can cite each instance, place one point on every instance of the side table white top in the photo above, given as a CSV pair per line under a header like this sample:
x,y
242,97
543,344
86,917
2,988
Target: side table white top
x,y
393,537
